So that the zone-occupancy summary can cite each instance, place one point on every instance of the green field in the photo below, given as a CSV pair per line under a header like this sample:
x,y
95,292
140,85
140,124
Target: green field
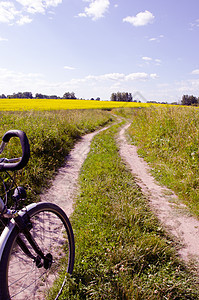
x,y
168,138
52,134
122,252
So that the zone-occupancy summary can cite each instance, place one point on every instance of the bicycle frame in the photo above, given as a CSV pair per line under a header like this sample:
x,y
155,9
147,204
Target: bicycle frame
x,y
22,221
9,228
24,226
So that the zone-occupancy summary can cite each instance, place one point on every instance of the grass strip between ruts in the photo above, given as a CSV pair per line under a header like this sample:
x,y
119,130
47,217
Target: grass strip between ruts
x,y
121,250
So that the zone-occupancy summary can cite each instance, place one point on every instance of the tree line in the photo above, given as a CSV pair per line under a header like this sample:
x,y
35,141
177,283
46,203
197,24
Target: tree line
x,y
190,100
126,97
29,95
119,96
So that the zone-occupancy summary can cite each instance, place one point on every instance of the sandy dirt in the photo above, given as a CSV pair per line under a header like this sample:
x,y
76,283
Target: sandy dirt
x,y
173,215
64,186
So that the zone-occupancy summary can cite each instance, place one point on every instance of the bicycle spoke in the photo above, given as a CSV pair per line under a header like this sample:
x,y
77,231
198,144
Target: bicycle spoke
x,y
51,238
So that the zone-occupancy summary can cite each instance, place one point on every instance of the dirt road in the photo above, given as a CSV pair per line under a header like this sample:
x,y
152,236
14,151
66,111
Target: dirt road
x,y
64,185
172,214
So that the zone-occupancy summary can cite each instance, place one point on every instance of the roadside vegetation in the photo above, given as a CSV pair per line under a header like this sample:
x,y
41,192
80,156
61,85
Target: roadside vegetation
x,y
51,134
168,138
121,250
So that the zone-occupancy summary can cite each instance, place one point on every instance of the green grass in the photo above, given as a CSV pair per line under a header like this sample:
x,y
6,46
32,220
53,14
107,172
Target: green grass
x,y
51,134
121,250
169,140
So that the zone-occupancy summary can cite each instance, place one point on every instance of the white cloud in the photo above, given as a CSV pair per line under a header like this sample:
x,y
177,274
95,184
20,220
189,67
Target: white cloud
x,y
99,85
38,6
30,6
153,39
154,76
137,76
82,15
69,68
158,61
195,72
194,25
146,58
111,76
188,86
24,20
122,77
156,39
3,39
12,81
140,76
10,15
141,19
96,9
149,60
8,12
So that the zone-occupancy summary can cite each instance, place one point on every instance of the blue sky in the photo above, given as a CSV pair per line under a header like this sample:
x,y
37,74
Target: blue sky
x,y
97,47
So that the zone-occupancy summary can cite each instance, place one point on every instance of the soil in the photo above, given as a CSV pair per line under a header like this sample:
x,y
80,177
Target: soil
x,y
173,214
65,184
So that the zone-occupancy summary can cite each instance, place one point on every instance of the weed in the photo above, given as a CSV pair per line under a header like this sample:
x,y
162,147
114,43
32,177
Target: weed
x,y
121,250
168,138
51,134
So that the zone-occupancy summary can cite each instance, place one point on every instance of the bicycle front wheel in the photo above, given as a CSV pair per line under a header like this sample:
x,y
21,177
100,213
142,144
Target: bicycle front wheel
x,y
21,277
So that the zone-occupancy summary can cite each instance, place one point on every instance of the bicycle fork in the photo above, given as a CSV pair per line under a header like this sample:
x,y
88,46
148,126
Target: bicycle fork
x,y
24,224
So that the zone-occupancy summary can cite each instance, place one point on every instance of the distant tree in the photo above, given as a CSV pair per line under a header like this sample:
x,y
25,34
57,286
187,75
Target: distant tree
x,y
153,101
72,95
53,97
119,96
98,98
126,97
189,100
130,97
38,96
2,96
113,97
19,95
69,95
27,95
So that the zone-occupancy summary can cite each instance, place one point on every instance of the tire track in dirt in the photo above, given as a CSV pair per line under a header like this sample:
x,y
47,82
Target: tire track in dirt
x,y
172,214
64,185
62,192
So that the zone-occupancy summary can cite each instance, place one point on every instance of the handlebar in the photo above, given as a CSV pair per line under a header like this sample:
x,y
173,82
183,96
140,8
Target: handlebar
x,y
10,164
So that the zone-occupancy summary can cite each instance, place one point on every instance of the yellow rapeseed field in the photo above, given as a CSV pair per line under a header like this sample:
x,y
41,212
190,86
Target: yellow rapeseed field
x,y
58,104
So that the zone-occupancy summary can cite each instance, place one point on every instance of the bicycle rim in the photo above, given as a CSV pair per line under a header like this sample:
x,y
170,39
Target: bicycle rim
x,y
52,232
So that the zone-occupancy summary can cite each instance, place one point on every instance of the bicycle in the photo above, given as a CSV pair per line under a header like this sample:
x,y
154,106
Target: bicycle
x,y
37,240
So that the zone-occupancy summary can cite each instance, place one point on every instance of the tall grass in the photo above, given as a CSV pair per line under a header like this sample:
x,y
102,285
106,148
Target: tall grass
x,y
51,134
121,249
169,139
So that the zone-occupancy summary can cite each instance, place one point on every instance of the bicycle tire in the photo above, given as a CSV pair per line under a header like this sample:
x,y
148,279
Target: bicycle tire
x,y
20,278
